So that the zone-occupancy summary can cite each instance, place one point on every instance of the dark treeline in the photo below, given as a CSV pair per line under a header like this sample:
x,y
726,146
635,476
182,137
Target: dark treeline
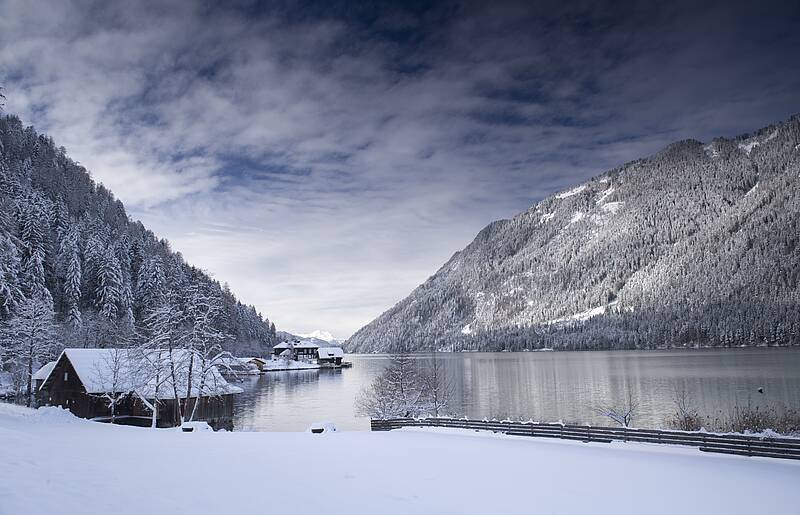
x,y
68,244
695,245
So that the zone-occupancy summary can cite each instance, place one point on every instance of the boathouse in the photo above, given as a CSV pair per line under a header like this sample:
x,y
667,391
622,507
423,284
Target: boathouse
x,y
84,380
259,363
232,367
330,356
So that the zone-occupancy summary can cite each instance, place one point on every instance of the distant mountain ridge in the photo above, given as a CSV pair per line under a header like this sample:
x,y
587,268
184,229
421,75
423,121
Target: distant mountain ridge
x,y
320,337
324,336
695,245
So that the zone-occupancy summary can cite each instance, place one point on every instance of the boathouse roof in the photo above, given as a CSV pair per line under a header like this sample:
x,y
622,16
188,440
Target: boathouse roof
x,y
330,352
105,370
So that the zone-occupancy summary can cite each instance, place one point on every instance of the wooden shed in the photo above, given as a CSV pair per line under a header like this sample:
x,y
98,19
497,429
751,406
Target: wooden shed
x,y
82,380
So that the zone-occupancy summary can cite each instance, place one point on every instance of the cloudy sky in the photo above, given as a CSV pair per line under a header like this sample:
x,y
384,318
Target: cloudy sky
x,y
325,158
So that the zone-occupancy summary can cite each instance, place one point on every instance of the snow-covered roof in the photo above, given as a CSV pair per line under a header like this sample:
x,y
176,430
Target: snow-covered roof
x,y
330,352
305,344
96,370
254,358
43,372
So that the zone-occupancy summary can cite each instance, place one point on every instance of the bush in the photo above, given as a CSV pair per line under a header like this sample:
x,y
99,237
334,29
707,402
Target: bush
x,y
686,417
755,419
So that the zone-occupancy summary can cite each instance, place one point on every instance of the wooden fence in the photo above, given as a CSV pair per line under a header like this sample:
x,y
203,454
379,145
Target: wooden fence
x,y
723,443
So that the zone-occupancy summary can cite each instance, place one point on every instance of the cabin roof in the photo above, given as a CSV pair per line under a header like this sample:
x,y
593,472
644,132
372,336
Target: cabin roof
x,y
106,370
43,372
331,352
254,358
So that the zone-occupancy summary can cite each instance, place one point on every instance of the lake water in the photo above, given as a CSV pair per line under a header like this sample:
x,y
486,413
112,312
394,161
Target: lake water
x,y
544,386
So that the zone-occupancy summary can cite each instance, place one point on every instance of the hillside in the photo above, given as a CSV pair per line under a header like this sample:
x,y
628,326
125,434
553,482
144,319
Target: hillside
x,y
66,238
695,245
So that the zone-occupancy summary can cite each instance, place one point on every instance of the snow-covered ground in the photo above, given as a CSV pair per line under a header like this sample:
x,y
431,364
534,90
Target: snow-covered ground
x,y
51,462
281,364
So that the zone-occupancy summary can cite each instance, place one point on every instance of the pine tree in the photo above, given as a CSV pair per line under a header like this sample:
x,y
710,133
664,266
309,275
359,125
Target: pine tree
x,y
29,337
109,286
10,289
150,287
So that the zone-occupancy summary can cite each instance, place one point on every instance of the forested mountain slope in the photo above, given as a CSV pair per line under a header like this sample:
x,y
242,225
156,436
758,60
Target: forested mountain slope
x,y
695,245
67,240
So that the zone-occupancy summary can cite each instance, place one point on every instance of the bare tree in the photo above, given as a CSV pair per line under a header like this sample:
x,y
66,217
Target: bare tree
x,y
164,326
439,388
114,374
203,342
686,417
398,391
377,399
150,376
623,412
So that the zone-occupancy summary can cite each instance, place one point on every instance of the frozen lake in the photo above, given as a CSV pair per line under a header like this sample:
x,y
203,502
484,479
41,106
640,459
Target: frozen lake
x,y
545,386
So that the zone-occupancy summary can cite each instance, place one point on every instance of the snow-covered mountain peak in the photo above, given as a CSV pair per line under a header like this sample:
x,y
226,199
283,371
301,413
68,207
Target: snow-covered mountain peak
x,y
323,335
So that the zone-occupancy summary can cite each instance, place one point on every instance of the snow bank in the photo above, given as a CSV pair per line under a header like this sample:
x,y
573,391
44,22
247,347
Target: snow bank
x,y
577,217
711,150
750,143
13,415
89,468
583,316
612,207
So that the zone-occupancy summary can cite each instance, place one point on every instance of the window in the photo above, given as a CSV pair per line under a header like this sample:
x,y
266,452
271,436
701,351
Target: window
x,y
66,376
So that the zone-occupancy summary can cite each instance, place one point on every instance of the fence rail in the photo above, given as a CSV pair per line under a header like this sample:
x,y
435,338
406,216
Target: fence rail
x,y
745,445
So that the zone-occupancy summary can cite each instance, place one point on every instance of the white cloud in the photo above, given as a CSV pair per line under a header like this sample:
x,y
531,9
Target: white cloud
x,y
299,163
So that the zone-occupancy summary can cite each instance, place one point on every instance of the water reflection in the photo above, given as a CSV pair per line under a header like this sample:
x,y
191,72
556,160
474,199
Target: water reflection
x,y
545,386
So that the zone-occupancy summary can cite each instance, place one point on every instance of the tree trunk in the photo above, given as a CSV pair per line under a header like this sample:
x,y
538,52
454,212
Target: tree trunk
x,y
29,390
189,389
178,408
154,419
199,392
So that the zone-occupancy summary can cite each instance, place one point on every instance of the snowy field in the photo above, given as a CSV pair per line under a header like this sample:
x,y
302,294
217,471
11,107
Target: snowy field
x,y
51,462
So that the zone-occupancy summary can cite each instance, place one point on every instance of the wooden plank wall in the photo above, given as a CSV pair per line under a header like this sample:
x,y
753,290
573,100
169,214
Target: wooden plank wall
x,y
744,445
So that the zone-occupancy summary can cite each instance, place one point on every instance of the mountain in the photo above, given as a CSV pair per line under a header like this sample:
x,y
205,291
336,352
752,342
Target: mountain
x,y
324,336
695,245
66,238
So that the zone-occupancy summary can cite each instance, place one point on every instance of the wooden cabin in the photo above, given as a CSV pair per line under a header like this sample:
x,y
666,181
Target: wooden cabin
x,y
233,367
259,363
39,377
82,380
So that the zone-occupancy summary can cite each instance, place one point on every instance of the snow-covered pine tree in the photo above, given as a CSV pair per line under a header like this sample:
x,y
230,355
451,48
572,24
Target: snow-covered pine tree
x,y
109,286
28,337
72,284
150,288
10,289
